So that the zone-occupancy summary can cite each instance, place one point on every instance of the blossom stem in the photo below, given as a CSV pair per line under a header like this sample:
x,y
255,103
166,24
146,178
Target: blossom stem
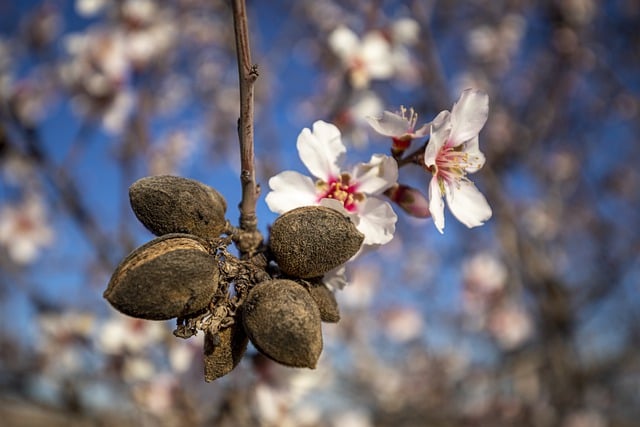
x,y
415,157
247,73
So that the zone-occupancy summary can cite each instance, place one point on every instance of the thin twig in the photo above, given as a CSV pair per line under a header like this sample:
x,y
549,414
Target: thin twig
x,y
247,73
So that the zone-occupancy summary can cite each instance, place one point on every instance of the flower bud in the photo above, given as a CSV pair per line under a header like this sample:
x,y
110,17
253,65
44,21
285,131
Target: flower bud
x,y
171,204
410,200
283,322
223,351
309,241
171,276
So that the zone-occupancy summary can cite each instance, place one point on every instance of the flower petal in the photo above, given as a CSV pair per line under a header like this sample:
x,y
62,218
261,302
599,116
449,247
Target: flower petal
x,y
476,159
467,204
436,204
322,150
374,177
344,42
290,190
377,221
389,124
469,115
375,52
440,128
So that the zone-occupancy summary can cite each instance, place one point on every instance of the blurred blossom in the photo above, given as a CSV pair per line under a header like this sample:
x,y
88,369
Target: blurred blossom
x,y
585,418
405,31
24,229
579,11
137,368
497,44
362,287
281,393
353,193
28,100
61,338
453,152
182,353
88,8
484,274
157,394
403,324
121,334
540,221
97,74
67,326
351,418
510,325
352,119
366,59
170,154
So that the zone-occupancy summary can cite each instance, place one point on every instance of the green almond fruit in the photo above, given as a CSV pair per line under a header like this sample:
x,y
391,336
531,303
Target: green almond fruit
x,y
172,276
309,241
283,322
171,204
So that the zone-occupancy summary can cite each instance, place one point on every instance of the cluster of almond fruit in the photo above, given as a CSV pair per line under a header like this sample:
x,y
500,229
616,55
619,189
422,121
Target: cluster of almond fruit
x,y
187,273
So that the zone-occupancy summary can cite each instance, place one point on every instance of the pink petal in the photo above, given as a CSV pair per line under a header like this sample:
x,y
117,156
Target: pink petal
x,y
377,221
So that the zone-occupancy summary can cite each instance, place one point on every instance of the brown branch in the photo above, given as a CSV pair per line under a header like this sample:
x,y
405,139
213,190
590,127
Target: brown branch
x,y
247,73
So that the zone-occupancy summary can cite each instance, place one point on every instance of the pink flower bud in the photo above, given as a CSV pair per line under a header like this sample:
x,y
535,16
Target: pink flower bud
x,y
410,200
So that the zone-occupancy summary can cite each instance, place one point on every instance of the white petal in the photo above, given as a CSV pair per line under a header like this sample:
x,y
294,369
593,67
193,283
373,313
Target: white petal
x,y
389,124
436,204
374,177
322,150
377,221
290,190
440,128
469,115
467,204
344,42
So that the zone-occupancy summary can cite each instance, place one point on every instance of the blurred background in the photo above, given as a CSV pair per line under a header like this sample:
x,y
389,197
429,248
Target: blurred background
x,y
530,320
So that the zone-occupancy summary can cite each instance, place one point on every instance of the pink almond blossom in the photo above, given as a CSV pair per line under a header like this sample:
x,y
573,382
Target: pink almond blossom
x,y
451,154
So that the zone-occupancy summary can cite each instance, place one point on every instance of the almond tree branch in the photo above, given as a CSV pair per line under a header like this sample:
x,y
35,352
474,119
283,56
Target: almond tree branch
x,y
250,239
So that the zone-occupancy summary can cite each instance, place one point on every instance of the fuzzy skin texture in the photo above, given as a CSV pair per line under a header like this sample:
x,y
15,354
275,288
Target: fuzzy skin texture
x,y
325,300
171,276
283,322
171,204
223,352
309,241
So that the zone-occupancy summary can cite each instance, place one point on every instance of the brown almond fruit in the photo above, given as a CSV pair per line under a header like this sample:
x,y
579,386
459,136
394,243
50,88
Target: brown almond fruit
x,y
309,241
223,351
172,276
325,299
283,322
171,204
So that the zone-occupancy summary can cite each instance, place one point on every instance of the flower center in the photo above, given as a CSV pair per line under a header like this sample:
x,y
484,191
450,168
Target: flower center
x,y
451,164
342,190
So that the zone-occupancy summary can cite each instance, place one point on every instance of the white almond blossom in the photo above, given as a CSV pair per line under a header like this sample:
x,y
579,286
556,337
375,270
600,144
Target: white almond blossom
x,y
451,154
366,59
353,193
400,127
